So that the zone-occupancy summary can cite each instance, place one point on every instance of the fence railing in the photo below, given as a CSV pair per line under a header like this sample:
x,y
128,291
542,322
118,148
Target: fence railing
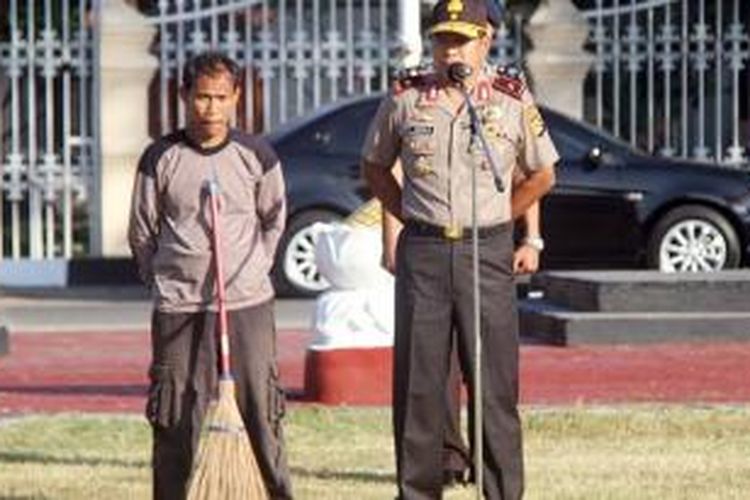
x,y
671,76
47,131
297,54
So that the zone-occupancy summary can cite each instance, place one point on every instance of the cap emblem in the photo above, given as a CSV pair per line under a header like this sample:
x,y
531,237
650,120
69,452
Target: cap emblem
x,y
455,8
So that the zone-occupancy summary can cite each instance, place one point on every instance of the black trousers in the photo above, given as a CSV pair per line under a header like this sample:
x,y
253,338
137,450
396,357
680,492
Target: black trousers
x,y
456,454
184,378
433,295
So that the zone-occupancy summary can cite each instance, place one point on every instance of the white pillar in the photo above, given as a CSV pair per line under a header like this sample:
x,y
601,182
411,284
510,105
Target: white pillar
x,y
409,34
558,63
126,71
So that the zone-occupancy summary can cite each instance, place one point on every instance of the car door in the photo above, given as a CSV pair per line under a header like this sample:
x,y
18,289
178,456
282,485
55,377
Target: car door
x,y
589,219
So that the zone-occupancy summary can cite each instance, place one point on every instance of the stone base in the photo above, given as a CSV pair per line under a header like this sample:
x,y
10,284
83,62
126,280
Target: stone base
x,y
350,376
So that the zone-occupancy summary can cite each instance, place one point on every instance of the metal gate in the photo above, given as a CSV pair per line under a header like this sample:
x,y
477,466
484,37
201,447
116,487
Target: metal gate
x,y
671,76
297,54
47,129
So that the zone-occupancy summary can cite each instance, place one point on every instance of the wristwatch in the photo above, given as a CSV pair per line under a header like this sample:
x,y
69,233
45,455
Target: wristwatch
x,y
535,242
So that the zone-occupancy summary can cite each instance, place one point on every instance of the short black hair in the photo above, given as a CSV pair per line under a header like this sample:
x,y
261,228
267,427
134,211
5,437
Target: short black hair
x,y
209,63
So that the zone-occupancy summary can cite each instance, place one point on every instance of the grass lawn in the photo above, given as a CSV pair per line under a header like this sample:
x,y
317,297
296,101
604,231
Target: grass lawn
x,y
622,452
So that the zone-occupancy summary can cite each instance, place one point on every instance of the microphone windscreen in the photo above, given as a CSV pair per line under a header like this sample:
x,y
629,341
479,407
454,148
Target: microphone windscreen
x,y
459,72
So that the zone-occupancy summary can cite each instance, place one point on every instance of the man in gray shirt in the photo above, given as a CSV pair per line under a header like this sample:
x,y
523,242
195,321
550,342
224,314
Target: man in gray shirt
x,y
170,237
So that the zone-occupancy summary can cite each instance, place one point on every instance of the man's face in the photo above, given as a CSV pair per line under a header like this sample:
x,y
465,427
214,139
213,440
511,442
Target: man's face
x,y
210,104
450,48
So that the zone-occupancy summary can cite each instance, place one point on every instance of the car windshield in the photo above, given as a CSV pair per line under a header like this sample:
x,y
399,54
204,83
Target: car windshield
x,y
301,122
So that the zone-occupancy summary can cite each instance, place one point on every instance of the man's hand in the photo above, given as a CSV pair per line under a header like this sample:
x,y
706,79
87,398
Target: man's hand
x,y
525,259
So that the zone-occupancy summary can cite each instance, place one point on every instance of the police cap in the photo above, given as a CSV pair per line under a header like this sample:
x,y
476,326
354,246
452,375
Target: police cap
x,y
462,17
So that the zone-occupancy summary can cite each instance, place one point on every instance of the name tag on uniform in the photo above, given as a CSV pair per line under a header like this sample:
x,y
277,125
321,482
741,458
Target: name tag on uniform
x,y
414,130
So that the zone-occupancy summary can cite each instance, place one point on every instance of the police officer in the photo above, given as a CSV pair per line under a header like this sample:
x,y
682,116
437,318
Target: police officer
x,y
424,123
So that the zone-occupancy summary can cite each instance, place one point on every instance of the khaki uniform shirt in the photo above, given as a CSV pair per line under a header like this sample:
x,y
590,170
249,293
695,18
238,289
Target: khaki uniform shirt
x,y
170,221
437,152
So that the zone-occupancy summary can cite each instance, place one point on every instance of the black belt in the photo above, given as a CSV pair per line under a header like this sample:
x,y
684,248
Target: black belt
x,y
420,228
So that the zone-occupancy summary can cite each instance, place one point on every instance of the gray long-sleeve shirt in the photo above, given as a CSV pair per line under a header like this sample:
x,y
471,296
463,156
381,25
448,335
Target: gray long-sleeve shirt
x,y
170,220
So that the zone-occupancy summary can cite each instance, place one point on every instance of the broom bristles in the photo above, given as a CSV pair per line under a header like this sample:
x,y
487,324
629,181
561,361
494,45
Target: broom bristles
x,y
225,467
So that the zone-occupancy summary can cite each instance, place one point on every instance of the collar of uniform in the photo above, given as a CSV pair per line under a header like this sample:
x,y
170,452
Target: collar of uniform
x,y
207,151
428,96
480,93
482,90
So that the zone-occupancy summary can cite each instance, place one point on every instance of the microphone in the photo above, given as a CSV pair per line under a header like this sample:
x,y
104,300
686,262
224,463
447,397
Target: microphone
x,y
459,72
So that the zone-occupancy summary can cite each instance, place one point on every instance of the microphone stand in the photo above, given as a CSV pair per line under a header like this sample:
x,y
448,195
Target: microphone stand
x,y
476,133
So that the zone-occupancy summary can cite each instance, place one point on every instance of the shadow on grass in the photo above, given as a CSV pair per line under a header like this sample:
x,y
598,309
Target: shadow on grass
x,y
349,475
23,497
9,457
139,390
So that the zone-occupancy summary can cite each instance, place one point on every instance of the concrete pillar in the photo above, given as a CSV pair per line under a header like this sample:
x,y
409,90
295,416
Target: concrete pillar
x,y
409,33
126,70
558,63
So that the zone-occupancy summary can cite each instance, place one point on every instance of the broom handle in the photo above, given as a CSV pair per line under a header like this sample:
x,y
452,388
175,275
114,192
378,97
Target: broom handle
x,y
213,196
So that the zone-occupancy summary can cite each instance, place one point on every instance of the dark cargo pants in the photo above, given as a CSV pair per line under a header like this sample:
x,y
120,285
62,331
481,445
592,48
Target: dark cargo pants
x,y
434,294
184,378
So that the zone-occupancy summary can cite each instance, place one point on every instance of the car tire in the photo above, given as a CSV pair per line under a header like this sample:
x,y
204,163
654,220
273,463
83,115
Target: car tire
x,y
693,238
295,273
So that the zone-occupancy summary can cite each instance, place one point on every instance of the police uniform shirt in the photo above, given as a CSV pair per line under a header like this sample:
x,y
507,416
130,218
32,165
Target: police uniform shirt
x,y
438,153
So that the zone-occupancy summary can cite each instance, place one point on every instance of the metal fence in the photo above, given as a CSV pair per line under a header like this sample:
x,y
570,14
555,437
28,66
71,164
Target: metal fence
x,y
671,75
297,54
47,130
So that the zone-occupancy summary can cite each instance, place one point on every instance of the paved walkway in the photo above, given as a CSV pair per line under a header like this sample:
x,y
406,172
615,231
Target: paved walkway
x,y
105,372
88,350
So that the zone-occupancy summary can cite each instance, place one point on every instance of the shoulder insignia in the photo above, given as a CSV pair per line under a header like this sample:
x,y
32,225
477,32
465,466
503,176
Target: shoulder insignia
x,y
412,77
509,80
534,120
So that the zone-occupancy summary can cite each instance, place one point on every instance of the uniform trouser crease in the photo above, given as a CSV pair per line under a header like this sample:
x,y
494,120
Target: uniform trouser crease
x,y
434,292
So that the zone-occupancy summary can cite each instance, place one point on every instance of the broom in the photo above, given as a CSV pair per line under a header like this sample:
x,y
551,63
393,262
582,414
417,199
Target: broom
x,y
225,467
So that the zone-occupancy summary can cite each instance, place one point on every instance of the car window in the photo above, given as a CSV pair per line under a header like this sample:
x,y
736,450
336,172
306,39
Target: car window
x,y
575,139
571,147
341,133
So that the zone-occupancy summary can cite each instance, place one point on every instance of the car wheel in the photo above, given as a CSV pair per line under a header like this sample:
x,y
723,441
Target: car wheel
x,y
693,238
295,272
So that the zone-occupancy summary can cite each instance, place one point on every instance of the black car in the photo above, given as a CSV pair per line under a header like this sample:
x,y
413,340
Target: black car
x,y
613,207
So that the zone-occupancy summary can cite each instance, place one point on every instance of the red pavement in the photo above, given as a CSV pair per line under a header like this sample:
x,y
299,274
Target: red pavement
x,y
105,372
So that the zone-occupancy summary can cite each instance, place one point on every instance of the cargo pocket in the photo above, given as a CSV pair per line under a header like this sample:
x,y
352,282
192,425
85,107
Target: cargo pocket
x,y
276,400
162,406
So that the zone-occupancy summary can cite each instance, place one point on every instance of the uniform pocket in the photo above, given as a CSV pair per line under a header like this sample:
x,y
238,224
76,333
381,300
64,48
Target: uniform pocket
x,y
162,406
419,155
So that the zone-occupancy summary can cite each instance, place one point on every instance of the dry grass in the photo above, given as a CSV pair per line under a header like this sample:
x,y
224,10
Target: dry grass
x,y
665,452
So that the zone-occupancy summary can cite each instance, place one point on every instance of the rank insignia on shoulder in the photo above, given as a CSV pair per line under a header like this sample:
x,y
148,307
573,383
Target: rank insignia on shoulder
x,y
534,120
412,77
509,80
